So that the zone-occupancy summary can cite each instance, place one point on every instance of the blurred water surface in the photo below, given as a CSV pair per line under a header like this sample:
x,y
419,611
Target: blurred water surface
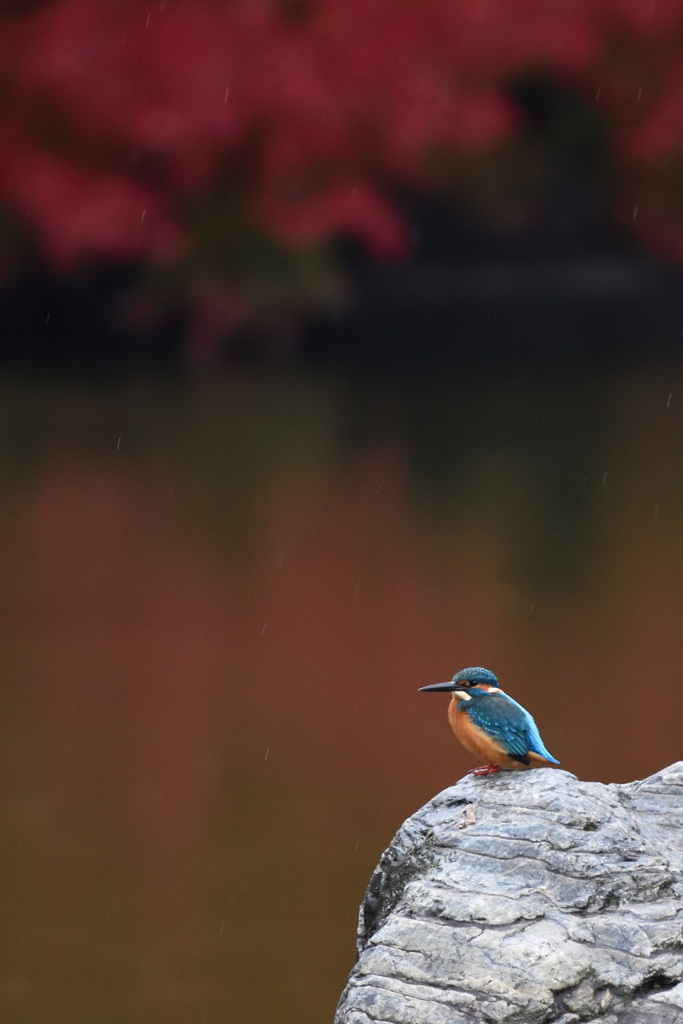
x,y
218,601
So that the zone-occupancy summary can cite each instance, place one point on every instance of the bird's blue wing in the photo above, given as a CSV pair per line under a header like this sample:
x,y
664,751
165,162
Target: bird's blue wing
x,y
509,723
534,737
503,719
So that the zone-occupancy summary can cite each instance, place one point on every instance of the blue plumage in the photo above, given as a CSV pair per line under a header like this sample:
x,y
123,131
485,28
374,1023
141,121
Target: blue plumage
x,y
474,676
533,736
506,721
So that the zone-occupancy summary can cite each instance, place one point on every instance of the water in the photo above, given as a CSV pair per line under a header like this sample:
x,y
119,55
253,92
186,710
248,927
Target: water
x,y
218,601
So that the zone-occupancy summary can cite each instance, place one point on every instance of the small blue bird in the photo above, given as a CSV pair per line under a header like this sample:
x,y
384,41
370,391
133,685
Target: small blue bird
x,y
491,724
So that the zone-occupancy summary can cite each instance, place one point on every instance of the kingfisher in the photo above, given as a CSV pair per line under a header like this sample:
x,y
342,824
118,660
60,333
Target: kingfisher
x,y
492,725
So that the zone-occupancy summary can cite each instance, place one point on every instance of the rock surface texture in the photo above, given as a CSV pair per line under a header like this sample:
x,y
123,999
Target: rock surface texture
x,y
530,898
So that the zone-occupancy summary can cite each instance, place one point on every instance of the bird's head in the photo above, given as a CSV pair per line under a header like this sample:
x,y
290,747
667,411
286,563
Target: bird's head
x,y
477,678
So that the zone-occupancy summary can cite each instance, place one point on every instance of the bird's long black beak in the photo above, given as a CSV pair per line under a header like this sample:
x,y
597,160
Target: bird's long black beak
x,y
436,687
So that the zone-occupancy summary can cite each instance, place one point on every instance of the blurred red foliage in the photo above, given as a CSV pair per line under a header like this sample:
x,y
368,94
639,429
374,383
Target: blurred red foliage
x,y
126,126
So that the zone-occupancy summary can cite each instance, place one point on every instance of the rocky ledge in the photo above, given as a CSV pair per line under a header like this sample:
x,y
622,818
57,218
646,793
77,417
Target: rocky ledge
x,y
529,898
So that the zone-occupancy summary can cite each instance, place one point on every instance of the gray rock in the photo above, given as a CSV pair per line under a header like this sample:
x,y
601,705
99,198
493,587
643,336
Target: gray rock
x,y
529,898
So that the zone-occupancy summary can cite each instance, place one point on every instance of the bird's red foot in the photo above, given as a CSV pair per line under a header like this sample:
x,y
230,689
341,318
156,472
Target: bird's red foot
x,y
486,769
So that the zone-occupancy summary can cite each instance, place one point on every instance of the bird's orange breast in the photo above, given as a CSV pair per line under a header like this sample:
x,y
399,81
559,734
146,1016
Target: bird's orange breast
x,y
477,741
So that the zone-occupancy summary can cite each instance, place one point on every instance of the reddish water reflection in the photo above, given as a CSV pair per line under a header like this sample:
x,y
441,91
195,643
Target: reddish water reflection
x,y
214,634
